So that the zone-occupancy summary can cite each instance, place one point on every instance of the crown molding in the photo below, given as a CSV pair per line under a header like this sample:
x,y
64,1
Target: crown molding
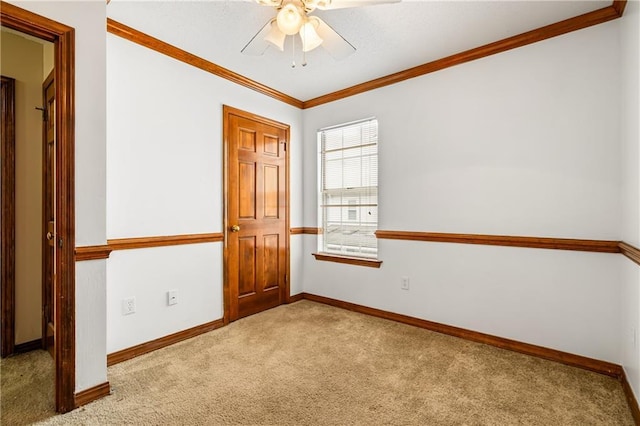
x,y
619,6
605,14
559,28
138,37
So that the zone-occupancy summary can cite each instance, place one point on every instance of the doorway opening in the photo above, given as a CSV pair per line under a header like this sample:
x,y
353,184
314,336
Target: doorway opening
x,y
62,232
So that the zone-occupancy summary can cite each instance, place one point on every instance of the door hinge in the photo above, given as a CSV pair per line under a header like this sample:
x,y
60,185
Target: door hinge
x,y
284,145
285,277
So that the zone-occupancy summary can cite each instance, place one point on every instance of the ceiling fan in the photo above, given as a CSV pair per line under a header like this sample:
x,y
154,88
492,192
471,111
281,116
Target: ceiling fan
x,y
294,18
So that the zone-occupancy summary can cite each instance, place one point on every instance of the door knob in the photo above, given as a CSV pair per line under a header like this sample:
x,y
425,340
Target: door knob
x,y
49,236
235,228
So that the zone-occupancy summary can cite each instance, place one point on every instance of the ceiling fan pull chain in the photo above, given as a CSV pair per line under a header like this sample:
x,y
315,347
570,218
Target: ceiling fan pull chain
x,y
304,54
293,52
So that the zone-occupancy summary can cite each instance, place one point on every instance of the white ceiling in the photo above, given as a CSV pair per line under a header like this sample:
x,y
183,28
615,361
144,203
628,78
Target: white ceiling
x,y
388,38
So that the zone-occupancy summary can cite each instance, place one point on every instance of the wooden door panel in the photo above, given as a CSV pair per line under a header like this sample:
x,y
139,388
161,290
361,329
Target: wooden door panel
x,y
247,190
247,266
247,139
271,145
271,191
256,219
271,253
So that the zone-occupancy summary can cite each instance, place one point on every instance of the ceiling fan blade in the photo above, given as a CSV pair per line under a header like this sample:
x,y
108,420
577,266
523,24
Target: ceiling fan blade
x,y
257,45
342,4
333,42
271,3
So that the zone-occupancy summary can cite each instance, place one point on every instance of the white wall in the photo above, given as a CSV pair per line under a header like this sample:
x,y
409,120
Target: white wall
x,y
520,143
193,270
165,177
88,19
22,60
630,89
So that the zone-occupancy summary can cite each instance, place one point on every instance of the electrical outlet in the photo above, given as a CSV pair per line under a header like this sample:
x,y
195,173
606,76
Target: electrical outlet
x,y
404,283
172,297
128,306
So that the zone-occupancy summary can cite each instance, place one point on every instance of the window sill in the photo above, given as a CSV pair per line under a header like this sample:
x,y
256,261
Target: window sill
x,y
358,261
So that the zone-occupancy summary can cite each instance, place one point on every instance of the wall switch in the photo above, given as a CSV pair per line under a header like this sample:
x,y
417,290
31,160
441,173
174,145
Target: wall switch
x,y
128,306
172,297
404,283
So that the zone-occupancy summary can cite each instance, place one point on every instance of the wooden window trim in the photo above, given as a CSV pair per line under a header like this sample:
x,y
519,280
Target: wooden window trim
x,y
357,261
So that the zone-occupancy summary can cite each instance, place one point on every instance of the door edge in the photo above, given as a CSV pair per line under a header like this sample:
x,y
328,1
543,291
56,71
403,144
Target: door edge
x,y
7,250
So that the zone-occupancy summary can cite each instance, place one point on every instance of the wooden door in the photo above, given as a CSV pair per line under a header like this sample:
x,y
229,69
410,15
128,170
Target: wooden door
x,y
7,216
256,220
48,214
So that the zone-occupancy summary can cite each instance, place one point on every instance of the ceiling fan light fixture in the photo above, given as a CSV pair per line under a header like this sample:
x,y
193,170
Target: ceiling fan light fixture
x,y
275,36
309,35
310,5
289,19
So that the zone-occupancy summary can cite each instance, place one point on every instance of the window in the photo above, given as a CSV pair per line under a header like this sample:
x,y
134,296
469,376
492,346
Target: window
x,y
348,189
353,212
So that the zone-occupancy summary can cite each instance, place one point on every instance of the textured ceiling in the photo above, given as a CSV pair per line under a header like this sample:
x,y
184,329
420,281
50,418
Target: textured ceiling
x,y
388,38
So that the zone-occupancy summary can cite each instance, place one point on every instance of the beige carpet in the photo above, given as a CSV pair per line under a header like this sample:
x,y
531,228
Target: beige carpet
x,y
26,388
311,364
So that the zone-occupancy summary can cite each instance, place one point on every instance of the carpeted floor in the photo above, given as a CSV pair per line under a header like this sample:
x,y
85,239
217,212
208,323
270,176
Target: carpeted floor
x,y
27,388
311,364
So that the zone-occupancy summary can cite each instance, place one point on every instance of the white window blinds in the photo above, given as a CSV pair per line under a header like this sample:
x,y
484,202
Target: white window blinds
x,y
349,189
